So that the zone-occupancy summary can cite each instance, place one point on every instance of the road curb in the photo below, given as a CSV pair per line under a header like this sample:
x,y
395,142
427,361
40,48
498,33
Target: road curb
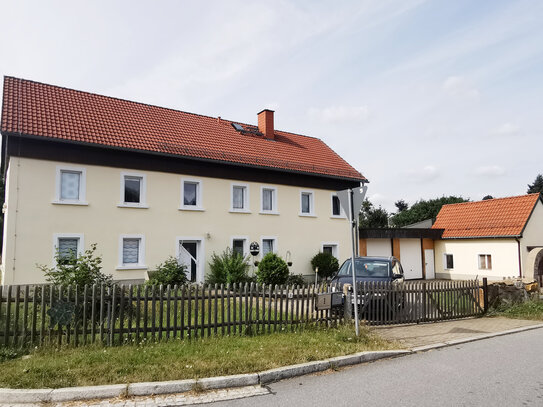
x,y
32,396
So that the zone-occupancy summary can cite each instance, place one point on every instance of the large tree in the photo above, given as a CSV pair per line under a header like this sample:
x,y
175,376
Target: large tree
x,y
401,205
422,210
537,186
372,217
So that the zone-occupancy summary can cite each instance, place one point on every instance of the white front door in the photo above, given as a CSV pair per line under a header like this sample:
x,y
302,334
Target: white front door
x,y
189,255
429,260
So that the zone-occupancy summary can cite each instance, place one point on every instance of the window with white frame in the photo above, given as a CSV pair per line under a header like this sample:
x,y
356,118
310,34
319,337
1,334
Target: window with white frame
x,y
269,245
133,190
331,248
239,246
269,200
191,194
449,261
485,262
307,203
70,185
131,251
240,198
67,246
336,207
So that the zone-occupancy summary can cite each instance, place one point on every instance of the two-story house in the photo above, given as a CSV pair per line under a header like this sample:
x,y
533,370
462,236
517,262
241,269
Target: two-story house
x,y
145,182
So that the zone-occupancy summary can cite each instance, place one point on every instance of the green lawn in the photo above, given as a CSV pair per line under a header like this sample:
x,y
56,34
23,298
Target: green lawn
x,y
527,310
177,359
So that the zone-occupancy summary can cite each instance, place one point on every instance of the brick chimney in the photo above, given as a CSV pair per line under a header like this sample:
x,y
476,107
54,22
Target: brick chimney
x,y
265,124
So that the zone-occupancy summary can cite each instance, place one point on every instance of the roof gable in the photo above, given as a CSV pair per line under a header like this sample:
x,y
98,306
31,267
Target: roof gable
x,y
37,109
501,217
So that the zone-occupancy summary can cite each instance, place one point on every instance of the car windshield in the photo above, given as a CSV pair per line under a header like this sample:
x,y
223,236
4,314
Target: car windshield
x,y
366,268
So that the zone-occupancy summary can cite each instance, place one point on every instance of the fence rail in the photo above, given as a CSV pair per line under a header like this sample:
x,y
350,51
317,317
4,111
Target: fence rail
x,y
45,314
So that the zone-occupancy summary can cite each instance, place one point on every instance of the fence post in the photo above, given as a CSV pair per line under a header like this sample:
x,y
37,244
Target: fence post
x,y
348,307
485,294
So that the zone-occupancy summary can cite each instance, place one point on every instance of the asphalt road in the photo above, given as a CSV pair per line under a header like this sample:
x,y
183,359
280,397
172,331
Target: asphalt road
x,y
502,371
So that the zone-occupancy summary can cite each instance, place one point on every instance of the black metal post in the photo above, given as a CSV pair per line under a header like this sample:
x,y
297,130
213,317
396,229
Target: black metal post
x,y
485,294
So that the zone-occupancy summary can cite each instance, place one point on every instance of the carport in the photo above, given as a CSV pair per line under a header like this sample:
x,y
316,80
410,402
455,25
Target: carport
x,y
414,247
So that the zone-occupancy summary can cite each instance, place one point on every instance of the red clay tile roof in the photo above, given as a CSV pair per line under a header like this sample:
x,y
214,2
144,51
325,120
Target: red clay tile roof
x,y
490,218
38,109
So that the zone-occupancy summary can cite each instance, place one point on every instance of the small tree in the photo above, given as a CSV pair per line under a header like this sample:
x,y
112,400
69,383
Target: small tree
x,y
487,197
171,272
228,268
401,205
328,265
537,186
272,270
73,269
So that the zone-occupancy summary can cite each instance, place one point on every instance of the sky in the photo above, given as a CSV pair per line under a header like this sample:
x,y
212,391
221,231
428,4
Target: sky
x,y
425,98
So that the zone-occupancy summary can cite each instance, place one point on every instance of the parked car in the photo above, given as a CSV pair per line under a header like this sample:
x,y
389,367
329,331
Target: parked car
x,y
370,269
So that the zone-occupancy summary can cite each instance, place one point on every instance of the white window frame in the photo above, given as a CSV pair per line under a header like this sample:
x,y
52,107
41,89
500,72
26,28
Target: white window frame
x,y
246,200
80,245
486,262
245,244
82,186
341,211
143,191
275,245
141,254
275,210
335,248
200,271
445,261
199,195
311,212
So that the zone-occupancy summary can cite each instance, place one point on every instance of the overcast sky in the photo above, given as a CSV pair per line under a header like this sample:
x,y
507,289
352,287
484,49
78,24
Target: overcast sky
x,y
425,98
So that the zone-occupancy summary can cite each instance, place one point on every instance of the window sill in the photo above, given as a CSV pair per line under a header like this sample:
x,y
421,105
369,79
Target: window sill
x,y
192,208
133,206
268,213
134,267
79,203
307,215
239,211
338,217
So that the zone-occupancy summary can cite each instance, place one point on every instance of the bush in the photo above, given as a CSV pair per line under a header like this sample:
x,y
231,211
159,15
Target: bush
x,y
295,279
168,273
327,264
272,270
83,269
228,268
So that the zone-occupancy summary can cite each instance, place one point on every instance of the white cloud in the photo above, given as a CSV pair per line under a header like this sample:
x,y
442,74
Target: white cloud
x,y
490,171
422,175
507,129
340,114
458,86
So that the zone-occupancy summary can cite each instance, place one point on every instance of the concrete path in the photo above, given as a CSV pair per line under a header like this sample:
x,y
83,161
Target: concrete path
x,y
416,335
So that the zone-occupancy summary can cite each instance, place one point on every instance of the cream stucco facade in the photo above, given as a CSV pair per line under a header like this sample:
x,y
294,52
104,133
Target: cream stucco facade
x,y
34,219
509,256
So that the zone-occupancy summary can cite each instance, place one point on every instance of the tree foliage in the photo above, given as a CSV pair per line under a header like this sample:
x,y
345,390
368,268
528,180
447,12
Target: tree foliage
x,y
423,209
328,265
487,197
537,186
272,270
372,217
73,269
171,272
401,205
228,268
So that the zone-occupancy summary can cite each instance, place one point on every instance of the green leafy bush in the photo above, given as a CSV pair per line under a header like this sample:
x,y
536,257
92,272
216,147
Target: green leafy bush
x,y
73,269
295,279
272,270
228,268
327,264
168,273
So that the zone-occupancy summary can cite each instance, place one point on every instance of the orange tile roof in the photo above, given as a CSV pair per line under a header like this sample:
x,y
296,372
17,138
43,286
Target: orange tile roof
x,y
490,218
38,109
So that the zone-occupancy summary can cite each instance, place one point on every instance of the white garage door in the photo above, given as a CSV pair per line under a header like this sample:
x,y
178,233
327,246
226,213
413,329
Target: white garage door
x,y
379,247
411,258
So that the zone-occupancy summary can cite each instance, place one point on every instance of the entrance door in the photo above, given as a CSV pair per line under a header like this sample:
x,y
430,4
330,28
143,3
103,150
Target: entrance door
x,y
429,260
188,255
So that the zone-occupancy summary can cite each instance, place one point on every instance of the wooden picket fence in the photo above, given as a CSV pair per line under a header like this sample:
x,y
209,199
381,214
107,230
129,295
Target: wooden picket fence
x,y
113,315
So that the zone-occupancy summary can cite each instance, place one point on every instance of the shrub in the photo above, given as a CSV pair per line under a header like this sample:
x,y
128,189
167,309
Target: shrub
x,y
72,269
168,273
327,264
295,279
272,270
228,268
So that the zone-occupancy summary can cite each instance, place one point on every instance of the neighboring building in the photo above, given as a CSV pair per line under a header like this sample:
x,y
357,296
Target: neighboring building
x,y
145,182
413,246
496,238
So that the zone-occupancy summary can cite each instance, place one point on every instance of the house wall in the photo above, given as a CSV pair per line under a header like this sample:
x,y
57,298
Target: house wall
x,y
531,236
32,220
466,252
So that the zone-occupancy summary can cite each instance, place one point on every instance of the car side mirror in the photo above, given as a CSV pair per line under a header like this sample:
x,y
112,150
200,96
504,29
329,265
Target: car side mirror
x,y
397,276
